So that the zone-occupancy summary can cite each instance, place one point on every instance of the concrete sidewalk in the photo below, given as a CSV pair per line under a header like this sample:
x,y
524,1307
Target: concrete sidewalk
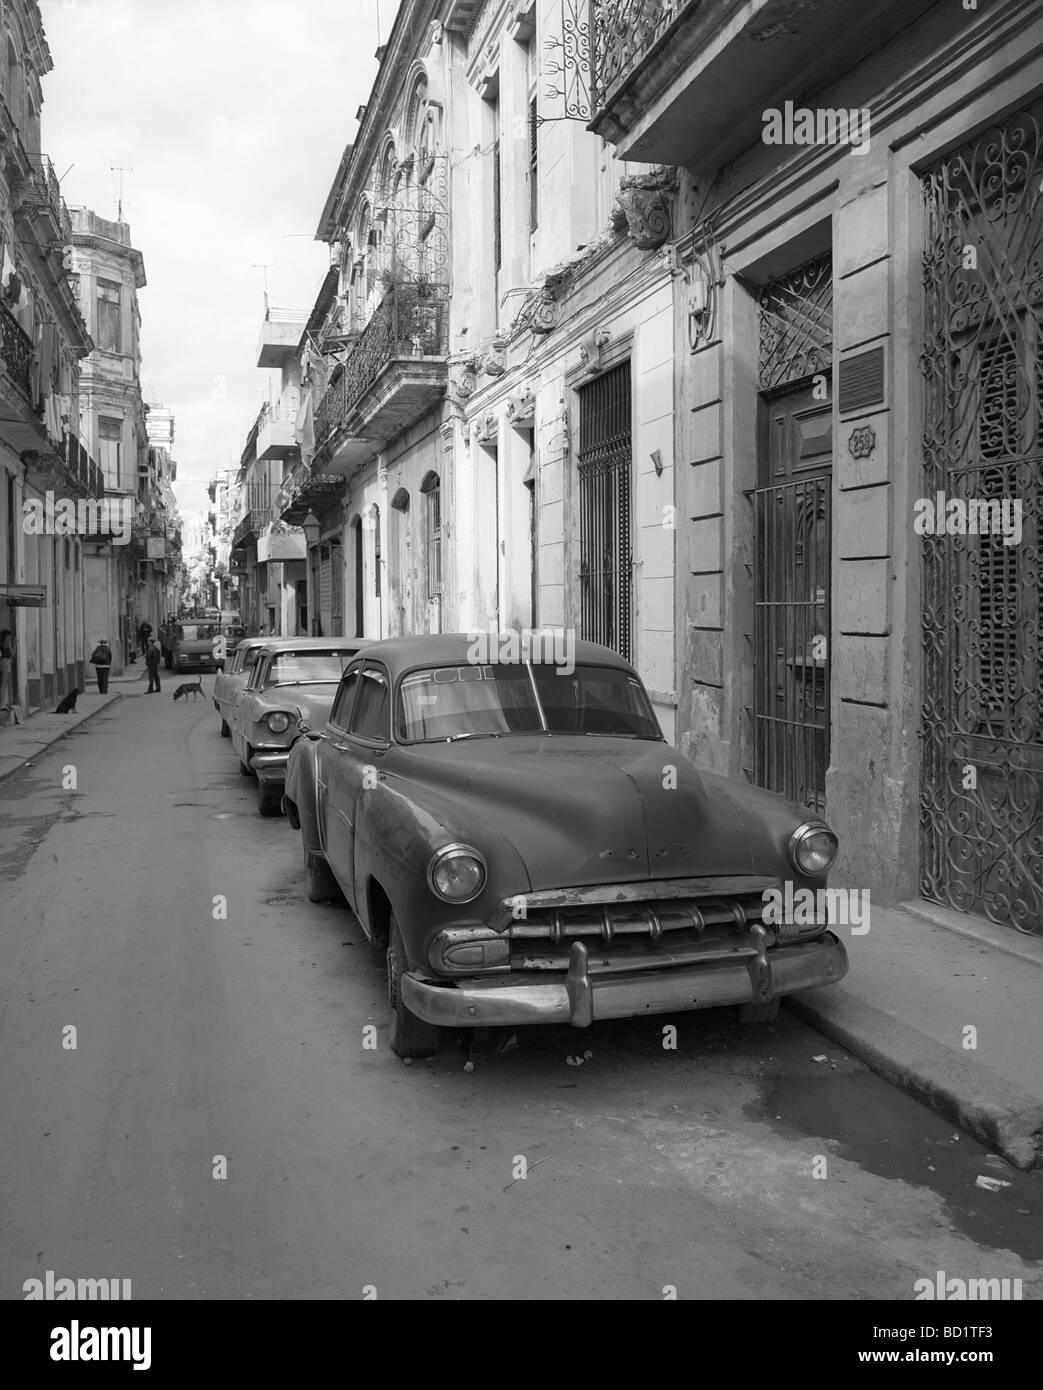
x,y
23,743
925,984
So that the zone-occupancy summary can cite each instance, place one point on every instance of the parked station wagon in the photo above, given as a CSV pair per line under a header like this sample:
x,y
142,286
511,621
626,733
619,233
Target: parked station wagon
x,y
529,849
290,690
233,678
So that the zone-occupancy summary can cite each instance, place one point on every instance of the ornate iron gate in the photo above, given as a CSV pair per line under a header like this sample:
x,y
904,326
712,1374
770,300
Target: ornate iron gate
x,y
604,510
981,800
793,506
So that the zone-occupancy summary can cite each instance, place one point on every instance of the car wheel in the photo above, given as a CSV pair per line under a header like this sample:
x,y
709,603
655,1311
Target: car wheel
x,y
269,798
225,730
759,1013
244,762
320,885
410,1036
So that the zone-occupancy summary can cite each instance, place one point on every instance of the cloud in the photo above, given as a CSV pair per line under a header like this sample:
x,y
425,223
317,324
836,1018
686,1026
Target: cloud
x,y
229,118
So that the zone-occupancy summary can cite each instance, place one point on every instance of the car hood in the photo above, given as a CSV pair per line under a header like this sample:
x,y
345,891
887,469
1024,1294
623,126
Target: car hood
x,y
312,702
584,811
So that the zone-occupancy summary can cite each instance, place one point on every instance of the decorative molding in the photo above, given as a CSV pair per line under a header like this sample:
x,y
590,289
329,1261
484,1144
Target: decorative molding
x,y
521,406
642,208
591,349
494,363
487,428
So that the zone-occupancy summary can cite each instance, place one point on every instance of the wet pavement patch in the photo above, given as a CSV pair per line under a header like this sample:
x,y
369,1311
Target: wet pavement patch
x,y
887,1133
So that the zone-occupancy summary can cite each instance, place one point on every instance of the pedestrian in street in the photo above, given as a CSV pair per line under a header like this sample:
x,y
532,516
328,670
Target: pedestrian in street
x,y
6,668
144,633
153,657
101,660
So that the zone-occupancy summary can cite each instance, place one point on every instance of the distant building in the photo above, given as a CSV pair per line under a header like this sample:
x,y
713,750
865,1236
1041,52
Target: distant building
x,y
108,272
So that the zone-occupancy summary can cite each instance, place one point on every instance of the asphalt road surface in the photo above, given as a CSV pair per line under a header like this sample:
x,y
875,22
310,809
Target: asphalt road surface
x,y
220,1131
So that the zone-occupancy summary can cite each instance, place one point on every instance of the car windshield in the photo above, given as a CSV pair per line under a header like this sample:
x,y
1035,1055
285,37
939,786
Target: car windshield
x,y
305,668
471,701
233,630
195,632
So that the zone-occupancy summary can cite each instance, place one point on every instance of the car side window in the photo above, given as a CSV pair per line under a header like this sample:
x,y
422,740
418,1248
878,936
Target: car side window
x,y
345,697
259,676
371,718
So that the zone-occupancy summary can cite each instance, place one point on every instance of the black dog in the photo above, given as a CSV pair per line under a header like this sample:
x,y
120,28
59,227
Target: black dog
x,y
67,705
192,688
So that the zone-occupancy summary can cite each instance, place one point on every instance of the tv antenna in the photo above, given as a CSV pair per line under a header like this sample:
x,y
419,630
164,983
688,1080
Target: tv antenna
x,y
120,170
265,266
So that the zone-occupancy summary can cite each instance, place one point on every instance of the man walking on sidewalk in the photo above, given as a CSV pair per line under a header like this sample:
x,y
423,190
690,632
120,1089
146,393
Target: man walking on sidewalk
x,y
153,657
101,660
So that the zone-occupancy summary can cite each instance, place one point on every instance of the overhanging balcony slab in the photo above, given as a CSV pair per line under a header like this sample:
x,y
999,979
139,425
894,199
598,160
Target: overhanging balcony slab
x,y
404,392
276,438
697,96
279,339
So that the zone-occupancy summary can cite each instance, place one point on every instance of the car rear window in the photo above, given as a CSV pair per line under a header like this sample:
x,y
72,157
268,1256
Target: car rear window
x,y
290,667
451,701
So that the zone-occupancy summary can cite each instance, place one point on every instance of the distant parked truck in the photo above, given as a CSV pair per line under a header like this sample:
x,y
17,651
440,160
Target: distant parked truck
x,y
196,645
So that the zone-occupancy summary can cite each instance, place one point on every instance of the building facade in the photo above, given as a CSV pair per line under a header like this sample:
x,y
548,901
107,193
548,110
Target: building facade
x,y
108,271
642,324
44,455
857,321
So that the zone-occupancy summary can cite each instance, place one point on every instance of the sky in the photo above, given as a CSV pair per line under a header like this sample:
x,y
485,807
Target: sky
x,y
230,118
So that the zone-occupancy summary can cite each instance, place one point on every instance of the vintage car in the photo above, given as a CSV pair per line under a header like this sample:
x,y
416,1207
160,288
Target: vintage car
x,y
230,681
528,848
290,689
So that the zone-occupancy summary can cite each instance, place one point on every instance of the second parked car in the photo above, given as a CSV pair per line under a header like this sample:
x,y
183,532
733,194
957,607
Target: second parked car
x,y
290,690
230,681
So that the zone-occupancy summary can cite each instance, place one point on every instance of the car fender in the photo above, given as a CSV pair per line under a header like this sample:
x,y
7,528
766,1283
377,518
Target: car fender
x,y
397,832
302,788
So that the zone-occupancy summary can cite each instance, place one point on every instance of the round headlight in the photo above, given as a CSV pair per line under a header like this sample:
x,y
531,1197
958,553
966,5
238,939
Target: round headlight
x,y
278,722
812,849
457,873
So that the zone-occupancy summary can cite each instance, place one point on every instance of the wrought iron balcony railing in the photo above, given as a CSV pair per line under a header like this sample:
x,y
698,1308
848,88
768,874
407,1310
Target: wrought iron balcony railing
x,y
410,322
623,32
16,349
49,194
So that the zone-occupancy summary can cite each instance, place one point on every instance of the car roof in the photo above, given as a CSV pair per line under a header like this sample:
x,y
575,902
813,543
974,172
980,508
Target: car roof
x,y
314,644
401,654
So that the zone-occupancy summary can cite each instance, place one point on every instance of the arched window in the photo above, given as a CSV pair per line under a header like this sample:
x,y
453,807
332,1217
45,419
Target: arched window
x,y
432,490
416,117
398,563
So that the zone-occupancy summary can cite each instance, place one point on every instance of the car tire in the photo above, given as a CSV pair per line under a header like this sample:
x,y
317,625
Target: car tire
x,y
759,1013
320,884
410,1036
225,730
269,798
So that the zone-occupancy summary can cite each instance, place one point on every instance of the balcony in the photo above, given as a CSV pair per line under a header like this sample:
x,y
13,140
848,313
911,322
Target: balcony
x,y
395,375
16,349
252,524
280,334
686,82
81,469
42,191
276,434
308,489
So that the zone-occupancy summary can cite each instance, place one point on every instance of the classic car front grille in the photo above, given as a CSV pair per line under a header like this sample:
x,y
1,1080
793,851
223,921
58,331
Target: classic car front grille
x,y
710,918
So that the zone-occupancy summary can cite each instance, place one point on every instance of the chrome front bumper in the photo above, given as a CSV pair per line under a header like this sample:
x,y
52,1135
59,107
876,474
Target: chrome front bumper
x,y
584,995
270,764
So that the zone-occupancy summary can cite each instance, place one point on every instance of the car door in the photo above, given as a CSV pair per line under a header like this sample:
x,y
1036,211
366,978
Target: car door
x,y
336,825
244,701
355,750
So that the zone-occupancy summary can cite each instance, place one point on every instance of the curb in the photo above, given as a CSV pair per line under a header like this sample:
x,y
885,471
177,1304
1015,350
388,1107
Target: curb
x,y
981,1102
48,743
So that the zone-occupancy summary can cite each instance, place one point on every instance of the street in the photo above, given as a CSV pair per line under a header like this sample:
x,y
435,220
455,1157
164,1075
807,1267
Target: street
x,y
202,1035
